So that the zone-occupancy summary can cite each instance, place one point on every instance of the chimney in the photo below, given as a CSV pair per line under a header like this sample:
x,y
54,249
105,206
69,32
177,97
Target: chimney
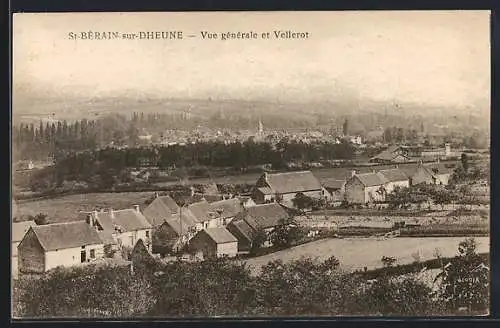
x,y
353,173
156,195
137,208
420,163
266,177
396,166
111,213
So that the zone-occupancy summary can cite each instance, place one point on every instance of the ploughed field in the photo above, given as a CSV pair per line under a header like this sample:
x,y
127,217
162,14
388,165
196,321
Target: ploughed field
x,y
66,208
357,253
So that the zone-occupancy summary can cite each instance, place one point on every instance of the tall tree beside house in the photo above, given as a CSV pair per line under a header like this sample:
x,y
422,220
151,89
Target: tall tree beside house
x,y
286,233
258,240
302,201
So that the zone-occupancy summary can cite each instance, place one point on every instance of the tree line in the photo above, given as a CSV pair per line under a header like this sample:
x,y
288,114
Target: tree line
x,y
229,288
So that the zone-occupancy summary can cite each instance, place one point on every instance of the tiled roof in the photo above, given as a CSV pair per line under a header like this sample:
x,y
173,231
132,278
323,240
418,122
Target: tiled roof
x,y
182,225
394,175
160,209
371,179
265,190
229,207
106,237
201,210
333,183
243,228
264,216
126,220
19,229
66,235
220,235
292,182
440,168
389,154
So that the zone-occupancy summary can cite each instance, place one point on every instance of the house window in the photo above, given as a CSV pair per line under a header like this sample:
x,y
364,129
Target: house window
x,y
83,247
92,254
147,233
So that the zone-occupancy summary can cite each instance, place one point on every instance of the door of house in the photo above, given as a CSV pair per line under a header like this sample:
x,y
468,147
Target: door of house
x,y
83,256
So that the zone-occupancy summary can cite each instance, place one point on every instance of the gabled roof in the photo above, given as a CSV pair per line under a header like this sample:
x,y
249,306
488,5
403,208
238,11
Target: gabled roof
x,y
440,168
242,227
201,210
160,209
371,179
220,235
394,175
265,190
126,220
333,183
389,154
66,235
106,237
182,225
19,229
288,182
264,215
229,207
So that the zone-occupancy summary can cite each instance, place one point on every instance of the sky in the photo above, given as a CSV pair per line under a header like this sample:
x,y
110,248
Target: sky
x,y
435,58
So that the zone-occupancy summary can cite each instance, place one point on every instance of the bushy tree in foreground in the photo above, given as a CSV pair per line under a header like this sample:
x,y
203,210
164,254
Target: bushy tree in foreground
x,y
464,281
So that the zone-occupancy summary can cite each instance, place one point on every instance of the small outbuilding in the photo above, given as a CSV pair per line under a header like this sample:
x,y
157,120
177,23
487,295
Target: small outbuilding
x,y
215,242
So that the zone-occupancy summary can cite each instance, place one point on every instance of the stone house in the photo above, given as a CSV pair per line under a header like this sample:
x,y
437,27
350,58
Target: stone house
x,y
214,243
48,246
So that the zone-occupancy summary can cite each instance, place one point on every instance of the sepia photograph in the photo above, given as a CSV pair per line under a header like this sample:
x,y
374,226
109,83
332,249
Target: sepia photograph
x,y
250,164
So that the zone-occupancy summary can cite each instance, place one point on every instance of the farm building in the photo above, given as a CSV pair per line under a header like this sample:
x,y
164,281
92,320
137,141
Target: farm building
x,y
205,215
19,229
227,209
62,244
365,188
282,187
336,188
175,232
215,242
125,226
260,217
395,178
393,154
243,232
161,209
435,173
246,201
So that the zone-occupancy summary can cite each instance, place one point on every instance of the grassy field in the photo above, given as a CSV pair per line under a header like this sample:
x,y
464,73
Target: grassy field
x,y
357,253
66,208
320,173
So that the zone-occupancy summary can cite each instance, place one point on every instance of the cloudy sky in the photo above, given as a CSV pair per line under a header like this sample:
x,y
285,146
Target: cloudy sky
x,y
432,58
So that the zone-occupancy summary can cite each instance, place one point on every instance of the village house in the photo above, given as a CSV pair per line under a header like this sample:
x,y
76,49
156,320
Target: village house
x,y
125,226
243,232
365,188
19,229
263,217
395,178
227,209
174,233
393,154
434,173
283,187
48,246
205,216
161,209
246,201
214,243
336,188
